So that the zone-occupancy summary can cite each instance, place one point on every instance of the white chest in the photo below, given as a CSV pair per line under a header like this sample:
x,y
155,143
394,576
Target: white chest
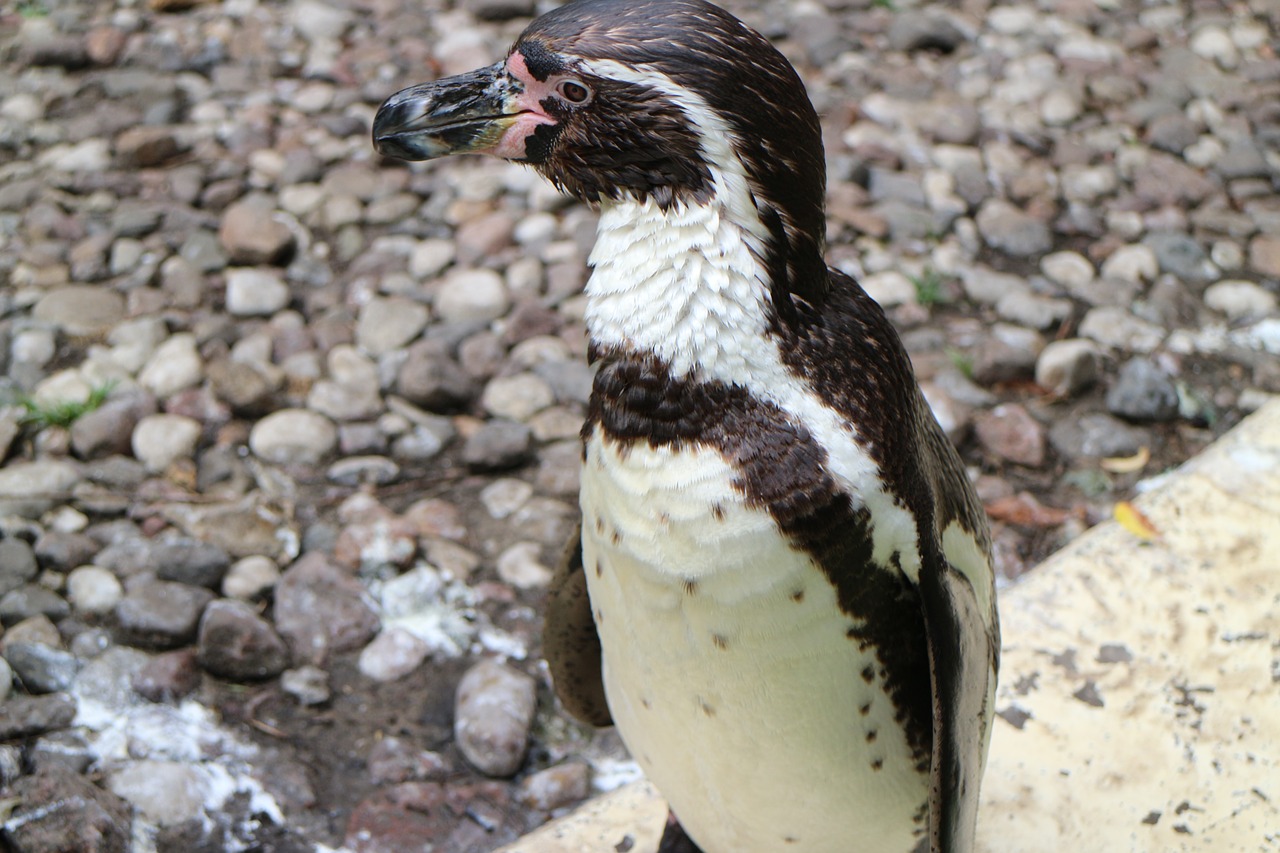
x,y
727,666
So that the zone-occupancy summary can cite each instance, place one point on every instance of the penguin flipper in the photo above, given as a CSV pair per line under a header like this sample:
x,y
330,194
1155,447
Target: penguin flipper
x,y
570,642
961,673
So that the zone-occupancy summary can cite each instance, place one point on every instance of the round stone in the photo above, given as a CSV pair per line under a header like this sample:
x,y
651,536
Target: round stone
x,y
250,577
468,296
293,437
92,589
255,292
160,440
1240,299
81,310
175,365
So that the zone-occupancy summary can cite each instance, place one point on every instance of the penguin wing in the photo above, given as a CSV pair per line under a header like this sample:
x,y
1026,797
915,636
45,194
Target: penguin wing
x,y
570,642
962,680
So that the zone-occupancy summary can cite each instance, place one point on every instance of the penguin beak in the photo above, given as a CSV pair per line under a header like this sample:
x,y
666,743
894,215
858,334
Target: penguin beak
x,y
468,113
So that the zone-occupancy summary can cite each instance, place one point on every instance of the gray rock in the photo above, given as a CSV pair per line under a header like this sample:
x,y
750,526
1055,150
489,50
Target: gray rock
x,y
1239,300
498,445
925,31
430,378
161,614
59,810
190,561
1181,255
357,470
17,564
108,429
67,750
1143,392
41,668
176,364
81,310
237,644
293,437
168,676
1009,432
166,793
1172,132
1009,230
389,324
255,292
30,600
321,610
492,716
473,295
28,489
392,655
308,684
1005,354
160,440
251,235
250,578
555,787
93,590
62,551
1068,367
1113,326
28,716
1095,435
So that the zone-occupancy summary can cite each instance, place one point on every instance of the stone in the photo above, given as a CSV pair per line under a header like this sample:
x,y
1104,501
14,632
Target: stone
x,y
1032,310
1067,367
555,787
492,716
251,234
925,31
521,566
1009,432
1113,326
429,258
175,365
1180,255
166,793
246,387
17,564
308,684
1135,263
1095,435
29,716
145,146
1069,269
293,437
161,614
56,810
389,324
357,470
430,378
41,668
1005,354
392,655
30,600
1264,255
1142,392
168,676
254,292
1240,300
393,759
81,310
321,610
93,590
65,749
352,390
189,561
1009,230
517,397
109,428
498,445
237,644
161,440
250,578
471,296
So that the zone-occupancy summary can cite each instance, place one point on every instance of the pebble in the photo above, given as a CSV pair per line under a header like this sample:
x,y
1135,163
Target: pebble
x,y
161,614
321,610
1011,433
17,564
93,590
1240,300
160,440
492,716
30,600
41,668
1136,263
57,809
556,787
29,489
393,760
293,437
1142,392
250,578
80,310
190,561
1007,229
1068,367
1117,328
166,793
392,655
168,676
389,324
498,445
518,397
254,292
469,296
29,716
251,234
1095,435
308,684
237,644
521,566
175,365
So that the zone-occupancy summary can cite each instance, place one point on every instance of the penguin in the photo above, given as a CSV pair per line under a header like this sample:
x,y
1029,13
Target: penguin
x,y
782,590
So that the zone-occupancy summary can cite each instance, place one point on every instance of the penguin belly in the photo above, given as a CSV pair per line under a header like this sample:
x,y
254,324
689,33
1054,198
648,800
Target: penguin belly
x,y
729,668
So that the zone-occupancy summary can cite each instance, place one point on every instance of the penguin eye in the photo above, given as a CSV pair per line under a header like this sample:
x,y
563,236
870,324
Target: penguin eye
x,y
573,91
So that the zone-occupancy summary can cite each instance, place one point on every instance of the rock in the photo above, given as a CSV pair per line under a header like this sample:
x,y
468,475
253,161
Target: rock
x,y
393,654
189,561
175,365
1131,263
37,629
160,440
498,445
352,391
251,578
166,793
1005,354
81,310
40,668
17,564
1172,132
237,644
246,387
389,324
29,716
255,292
494,711
147,146
251,235
1009,230
395,760
293,437
1115,327
356,470
1180,255
168,676
471,296
517,397
60,550
93,590
1009,432
499,10
925,31
1068,367
109,428
521,566
1240,300
430,378
29,600
1143,392
67,750
1032,310
317,20
1069,269
308,684
1095,435
57,810
1264,255
161,614
321,610
555,787
429,258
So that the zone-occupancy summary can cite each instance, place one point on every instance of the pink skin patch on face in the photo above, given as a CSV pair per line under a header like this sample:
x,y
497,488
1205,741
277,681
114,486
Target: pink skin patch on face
x,y
531,114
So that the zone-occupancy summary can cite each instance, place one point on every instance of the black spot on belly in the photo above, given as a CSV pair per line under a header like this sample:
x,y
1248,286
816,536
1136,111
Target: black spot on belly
x,y
797,596
871,736
720,641
706,707
877,764
717,511
690,586
600,525
599,569
868,673
864,708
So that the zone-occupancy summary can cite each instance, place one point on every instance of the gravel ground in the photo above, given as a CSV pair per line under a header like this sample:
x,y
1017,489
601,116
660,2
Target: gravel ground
x,y
291,431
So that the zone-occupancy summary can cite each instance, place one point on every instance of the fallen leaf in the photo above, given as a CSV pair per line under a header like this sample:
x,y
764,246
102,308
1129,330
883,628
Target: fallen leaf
x,y
1024,510
1132,520
1127,464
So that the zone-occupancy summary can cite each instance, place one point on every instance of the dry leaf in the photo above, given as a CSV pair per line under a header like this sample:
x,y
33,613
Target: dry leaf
x,y
1132,520
1025,511
1127,464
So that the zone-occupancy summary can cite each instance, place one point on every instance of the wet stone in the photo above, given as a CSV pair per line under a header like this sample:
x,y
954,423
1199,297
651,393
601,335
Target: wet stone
x,y
237,644
161,614
30,600
27,716
59,810
40,668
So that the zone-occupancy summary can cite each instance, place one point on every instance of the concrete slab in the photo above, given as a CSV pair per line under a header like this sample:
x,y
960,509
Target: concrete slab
x,y
1140,685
